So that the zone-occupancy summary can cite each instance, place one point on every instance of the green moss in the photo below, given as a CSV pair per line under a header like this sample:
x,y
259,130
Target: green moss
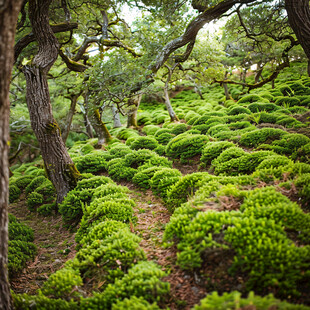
x,y
163,179
144,143
186,146
233,300
257,137
63,284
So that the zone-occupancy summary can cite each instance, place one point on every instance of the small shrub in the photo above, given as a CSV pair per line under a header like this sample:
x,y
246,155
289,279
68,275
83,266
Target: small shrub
x,y
144,143
186,146
62,284
257,137
163,179
34,200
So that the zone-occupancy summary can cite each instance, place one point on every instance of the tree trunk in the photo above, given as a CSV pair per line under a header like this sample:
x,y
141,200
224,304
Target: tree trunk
x,y
226,91
173,116
133,103
88,126
87,123
99,126
65,133
9,10
116,118
298,12
58,164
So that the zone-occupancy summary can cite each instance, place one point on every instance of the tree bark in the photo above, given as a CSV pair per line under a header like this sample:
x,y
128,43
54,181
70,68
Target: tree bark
x,y
65,133
9,10
88,126
298,12
116,118
58,164
133,103
99,126
173,116
209,13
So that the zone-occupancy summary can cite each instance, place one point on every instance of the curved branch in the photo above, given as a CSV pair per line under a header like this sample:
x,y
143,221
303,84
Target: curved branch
x,y
261,83
210,14
26,40
71,64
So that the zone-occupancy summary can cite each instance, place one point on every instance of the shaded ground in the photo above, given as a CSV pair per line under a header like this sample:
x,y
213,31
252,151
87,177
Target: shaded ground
x,y
186,289
55,246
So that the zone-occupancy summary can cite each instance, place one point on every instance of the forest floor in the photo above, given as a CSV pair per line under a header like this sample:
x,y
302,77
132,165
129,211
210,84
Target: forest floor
x,y
56,245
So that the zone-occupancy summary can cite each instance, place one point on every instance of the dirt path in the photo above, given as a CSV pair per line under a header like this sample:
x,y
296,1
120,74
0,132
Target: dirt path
x,y
55,246
152,218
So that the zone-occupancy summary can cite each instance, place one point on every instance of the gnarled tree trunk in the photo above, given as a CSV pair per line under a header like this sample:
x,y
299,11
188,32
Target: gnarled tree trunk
x,y
116,119
8,16
133,103
298,12
173,116
99,126
58,164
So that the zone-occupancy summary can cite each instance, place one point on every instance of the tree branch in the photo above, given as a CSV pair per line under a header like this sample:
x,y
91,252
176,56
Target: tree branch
x,y
192,30
26,40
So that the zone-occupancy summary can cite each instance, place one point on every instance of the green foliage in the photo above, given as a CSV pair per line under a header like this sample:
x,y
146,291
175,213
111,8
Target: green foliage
x,y
177,129
150,129
34,200
21,249
144,143
234,301
93,162
34,184
19,231
18,254
40,302
143,177
102,231
163,179
290,143
72,206
111,257
185,187
62,284
186,146
258,107
115,206
234,110
47,209
274,161
142,280
251,98
14,193
286,91
118,170
216,129
287,101
228,154
257,137
134,303
120,150
244,164
213,150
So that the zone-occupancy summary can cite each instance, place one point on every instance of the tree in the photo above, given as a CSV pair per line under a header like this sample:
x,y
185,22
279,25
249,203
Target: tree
x,y
9,10
58,164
